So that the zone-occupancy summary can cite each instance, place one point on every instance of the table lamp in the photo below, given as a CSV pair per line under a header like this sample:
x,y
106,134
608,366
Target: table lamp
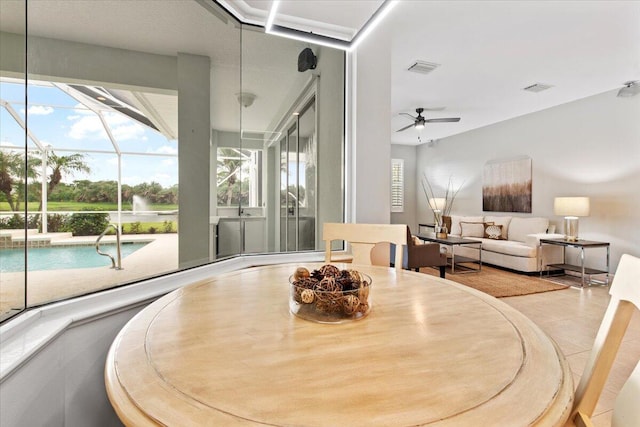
x,y
437,205
571,208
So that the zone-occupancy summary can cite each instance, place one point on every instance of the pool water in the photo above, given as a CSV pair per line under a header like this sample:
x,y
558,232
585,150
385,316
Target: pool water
x,y
62,257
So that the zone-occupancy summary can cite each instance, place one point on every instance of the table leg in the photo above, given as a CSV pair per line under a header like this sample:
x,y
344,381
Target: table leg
x,y
582,263
607,281
453,259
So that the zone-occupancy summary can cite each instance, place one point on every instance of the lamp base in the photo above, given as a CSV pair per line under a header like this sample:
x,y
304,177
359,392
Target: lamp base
x,y
571,228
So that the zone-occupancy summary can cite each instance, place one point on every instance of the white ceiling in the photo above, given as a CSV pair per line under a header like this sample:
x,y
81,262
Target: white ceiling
x,y
488,52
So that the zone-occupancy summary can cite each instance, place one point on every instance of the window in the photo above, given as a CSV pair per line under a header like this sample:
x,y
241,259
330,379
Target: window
x,y
397,185
238,177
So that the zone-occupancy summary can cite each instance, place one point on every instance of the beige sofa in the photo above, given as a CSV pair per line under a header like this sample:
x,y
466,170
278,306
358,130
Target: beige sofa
x,y
512,243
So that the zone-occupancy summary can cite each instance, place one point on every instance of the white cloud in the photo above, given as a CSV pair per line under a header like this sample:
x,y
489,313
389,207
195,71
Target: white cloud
x,y
127,132
114,161
87,127
165,149
40,110
168,162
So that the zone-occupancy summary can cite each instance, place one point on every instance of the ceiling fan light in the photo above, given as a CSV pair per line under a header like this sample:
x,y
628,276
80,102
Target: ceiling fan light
x,y
419,126
630,89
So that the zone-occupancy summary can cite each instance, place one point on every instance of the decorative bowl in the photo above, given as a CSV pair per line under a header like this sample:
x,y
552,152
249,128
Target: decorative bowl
x,y
330,295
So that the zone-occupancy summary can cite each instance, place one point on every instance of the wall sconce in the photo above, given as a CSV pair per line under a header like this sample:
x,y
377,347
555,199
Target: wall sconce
x,y
571,208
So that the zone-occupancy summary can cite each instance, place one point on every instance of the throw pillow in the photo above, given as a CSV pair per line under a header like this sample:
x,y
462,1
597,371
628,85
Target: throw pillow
x,y
492,231
472,229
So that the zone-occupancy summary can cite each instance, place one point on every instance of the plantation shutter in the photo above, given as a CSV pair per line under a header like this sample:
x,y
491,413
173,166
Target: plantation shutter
x,y
397,185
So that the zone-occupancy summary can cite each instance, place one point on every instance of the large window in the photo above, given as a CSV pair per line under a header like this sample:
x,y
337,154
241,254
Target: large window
x,y
160,125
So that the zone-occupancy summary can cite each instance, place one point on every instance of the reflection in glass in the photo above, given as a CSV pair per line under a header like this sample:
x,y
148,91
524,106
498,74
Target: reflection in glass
x,y
110,131
13,153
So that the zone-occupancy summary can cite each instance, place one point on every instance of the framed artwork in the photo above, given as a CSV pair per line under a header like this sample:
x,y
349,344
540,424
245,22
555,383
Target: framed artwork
x,y
507,185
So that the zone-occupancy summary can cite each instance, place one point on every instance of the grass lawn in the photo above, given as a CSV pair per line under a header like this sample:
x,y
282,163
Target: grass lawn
x,y
80,206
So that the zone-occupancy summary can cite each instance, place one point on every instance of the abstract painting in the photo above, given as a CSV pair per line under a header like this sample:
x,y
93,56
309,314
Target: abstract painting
x,y
507,185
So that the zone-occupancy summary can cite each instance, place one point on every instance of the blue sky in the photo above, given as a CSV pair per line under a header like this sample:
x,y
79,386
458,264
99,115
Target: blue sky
x,y
60,121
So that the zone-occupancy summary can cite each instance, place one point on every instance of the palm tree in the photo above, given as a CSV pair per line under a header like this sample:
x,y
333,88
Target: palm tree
x,y
13,171
63,165
229,164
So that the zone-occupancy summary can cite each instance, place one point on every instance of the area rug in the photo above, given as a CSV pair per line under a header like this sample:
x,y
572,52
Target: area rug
x,y
500,283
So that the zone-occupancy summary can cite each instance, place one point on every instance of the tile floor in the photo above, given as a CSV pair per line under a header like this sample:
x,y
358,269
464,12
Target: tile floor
x,y
572,318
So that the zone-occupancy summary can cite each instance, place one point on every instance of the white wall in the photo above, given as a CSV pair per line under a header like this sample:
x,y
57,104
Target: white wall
x,y
371,147
589,147
412,190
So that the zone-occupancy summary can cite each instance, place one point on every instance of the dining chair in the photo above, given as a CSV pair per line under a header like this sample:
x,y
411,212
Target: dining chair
x,y
625,300
363,238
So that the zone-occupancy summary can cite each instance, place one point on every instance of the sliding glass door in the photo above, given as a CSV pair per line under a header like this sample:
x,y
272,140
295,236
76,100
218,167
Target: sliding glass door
x,y
298,182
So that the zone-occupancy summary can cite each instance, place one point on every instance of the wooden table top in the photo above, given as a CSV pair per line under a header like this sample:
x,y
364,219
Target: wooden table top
x,y
227,351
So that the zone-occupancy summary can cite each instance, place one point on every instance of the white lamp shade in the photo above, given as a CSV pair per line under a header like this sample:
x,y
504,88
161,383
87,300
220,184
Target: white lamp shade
x,y
571,206
437,203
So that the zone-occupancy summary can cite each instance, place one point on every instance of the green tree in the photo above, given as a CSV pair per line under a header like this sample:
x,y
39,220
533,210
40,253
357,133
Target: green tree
x,y
13,173
229,166
63,165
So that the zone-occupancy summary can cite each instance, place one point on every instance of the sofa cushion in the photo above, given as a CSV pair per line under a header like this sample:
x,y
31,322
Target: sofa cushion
x,y
455,223
509,247
504,221
519,228
472,229
492,231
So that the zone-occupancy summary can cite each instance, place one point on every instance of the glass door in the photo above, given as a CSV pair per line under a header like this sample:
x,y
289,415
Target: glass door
x,y
298,182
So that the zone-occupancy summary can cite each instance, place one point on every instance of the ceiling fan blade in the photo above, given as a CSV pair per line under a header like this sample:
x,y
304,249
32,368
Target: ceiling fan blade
x,y
443,120
406,127
408,115
434,108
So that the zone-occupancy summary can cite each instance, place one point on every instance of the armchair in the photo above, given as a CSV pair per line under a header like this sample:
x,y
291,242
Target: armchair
x,y
421,255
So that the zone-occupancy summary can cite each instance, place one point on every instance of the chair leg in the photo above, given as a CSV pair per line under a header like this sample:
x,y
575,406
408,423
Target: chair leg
x,y
442,270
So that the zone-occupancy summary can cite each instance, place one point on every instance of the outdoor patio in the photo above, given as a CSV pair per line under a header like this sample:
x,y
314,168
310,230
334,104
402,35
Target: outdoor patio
x,y
159,256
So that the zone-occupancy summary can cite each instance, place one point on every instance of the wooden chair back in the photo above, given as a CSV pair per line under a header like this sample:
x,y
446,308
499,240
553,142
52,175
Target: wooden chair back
x,y
362,239
625,300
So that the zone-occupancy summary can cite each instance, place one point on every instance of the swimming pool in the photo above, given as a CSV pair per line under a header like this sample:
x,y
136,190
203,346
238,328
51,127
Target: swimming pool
x,y
62,257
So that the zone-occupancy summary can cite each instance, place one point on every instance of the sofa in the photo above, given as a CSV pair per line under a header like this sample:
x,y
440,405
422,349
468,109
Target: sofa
x,y
508,241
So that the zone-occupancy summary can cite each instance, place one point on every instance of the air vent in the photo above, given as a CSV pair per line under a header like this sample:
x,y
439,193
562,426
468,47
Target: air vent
x,y
537,87
423,67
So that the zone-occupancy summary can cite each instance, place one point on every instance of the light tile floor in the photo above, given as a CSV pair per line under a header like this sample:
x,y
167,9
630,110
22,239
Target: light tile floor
x,y
572,318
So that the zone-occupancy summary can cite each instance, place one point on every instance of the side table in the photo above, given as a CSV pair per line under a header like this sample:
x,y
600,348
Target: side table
x,y
582,245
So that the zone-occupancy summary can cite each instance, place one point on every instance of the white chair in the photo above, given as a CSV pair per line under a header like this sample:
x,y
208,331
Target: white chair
x,y
363,238
625,300
626,411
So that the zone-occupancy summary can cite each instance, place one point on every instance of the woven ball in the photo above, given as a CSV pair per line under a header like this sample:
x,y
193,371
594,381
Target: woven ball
x,y
356,278
307,296
301,273
350,303
329,270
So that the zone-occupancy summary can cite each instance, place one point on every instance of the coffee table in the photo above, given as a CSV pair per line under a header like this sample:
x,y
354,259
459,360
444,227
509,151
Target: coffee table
x,y
453,242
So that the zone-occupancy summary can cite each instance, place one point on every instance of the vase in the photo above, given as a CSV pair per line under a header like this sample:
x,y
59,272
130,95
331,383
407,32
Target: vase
x,y
441,231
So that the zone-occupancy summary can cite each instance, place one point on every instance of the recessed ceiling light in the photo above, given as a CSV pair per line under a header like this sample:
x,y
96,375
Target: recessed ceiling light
x,y
423,67
101,98
537,87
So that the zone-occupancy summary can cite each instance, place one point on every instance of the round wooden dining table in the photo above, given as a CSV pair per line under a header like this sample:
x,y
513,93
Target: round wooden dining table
x,y
227,351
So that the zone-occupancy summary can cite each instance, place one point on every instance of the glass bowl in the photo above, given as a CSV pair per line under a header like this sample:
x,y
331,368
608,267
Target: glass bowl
x,y
331,300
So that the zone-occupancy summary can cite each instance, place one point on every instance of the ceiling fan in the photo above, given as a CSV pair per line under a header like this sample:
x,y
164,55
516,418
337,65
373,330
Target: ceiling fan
x,y
419,121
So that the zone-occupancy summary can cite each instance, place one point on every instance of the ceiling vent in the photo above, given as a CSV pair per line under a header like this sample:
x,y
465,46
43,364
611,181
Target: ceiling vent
x,y
537,87
423,67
